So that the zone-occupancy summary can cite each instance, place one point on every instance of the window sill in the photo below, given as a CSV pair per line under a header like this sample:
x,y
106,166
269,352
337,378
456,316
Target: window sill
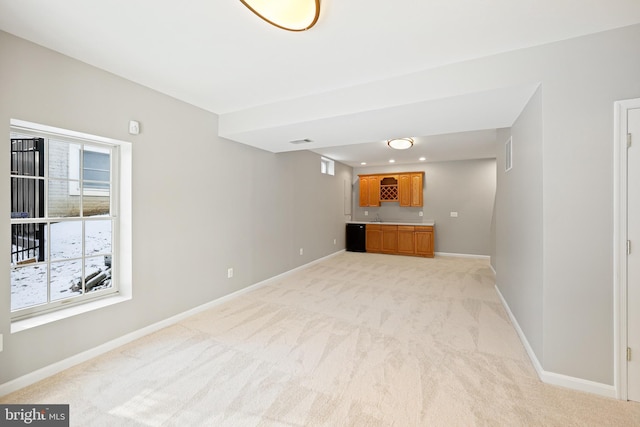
x,y
43,319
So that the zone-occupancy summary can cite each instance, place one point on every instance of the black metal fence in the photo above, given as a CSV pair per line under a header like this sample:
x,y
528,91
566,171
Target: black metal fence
x,y
27,199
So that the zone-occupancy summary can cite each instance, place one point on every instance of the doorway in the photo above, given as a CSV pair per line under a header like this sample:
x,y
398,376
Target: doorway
x,y
627,248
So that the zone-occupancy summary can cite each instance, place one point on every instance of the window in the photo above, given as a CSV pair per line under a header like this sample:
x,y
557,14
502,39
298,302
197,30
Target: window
x,y
65,218
327,166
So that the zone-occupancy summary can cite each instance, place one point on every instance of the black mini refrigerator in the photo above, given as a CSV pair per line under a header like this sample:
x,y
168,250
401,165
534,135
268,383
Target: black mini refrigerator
x,y
356,237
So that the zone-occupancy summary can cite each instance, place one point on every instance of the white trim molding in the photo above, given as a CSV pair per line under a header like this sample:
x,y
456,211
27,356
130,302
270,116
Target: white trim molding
x,y
553,378
462,255
620,314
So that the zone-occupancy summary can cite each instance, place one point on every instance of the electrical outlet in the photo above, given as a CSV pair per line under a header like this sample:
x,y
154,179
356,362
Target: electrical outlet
x,y
366,213
301,251
420,213
229,273
0,342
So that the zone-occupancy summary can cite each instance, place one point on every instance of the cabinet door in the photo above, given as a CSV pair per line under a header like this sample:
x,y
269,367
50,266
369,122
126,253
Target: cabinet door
x,y
373,238
389,239
369,190
364,191
416,189
404,190
374,191
424,241
406,241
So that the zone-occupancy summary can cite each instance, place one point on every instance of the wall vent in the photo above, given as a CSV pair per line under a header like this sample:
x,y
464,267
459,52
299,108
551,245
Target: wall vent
x,y
508,155
301,141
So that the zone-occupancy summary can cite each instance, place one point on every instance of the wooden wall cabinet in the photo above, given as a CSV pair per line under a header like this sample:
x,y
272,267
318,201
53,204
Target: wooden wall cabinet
x,y
388,188
417,181
404,188
410,189
369,190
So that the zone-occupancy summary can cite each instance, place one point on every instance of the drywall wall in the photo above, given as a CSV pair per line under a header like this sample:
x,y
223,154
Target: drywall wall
x,y
519,233
466,187
201,204
578,92
580,80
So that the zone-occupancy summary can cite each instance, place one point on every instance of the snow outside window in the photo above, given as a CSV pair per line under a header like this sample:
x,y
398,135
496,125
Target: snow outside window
x,y
64,220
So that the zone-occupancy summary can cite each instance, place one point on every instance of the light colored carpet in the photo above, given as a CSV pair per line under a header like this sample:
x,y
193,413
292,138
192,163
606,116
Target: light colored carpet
x,y
355,340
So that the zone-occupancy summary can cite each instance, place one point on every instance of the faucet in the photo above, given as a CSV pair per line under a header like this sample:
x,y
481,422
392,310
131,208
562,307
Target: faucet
x,y
377,218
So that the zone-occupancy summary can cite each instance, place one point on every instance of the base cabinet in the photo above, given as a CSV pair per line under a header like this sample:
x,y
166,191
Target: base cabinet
x,y
424,241
389,239
406,240
400,240
373,242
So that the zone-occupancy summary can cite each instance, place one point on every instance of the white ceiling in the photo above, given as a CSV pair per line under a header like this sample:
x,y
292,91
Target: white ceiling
x,y
219,56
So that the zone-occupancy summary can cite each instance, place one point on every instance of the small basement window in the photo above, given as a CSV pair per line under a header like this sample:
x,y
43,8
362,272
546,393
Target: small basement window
x,y
327,166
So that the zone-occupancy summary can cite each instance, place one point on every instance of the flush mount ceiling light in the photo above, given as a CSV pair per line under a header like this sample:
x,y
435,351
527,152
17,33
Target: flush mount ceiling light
x,y
400,143
292,15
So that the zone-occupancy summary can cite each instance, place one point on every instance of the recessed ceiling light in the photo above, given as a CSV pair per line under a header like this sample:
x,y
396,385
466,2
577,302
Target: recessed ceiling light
x,y
392,161
363,163
400,143
422,159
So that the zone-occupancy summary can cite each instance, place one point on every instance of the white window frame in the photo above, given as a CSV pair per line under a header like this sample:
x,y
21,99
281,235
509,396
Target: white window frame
x,y
121,232
327,166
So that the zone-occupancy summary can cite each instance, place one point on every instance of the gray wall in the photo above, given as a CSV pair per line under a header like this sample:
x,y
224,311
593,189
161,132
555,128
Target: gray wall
x,y
569,264
467,187
194,216
580,80
519,222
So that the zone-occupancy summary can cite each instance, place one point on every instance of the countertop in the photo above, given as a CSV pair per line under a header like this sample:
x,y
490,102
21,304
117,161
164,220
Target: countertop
x,y
427,222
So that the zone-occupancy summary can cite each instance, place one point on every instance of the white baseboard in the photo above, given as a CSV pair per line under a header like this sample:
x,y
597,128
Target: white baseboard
x,y
463,255
47,371
553,378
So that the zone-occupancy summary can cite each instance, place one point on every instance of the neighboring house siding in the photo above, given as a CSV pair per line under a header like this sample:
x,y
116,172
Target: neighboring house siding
x,y
61,202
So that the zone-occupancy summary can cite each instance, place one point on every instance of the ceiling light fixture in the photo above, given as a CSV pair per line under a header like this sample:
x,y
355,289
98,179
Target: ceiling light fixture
x,y
292,15
400,143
